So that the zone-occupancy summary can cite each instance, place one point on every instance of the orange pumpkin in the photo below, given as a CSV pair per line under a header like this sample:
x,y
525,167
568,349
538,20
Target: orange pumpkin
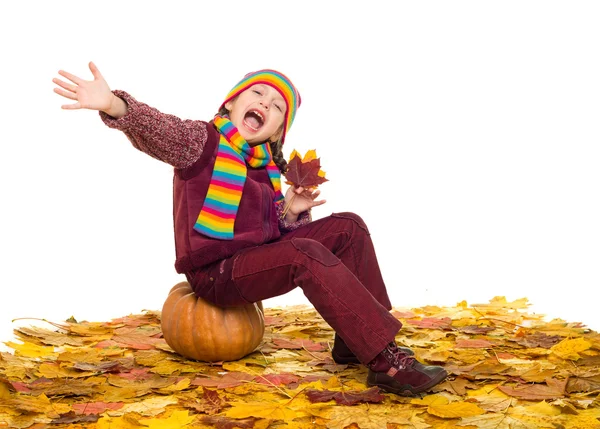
x,y
198,329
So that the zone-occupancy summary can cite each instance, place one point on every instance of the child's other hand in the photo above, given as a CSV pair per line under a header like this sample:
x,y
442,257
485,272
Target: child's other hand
x,y
305,199
89,94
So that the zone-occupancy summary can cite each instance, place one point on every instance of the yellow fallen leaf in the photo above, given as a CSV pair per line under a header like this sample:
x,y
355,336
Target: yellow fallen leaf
x,y
431,400
365,416
166,367
455,409
586,419
235,366
178,419
32,350
271,410
499,303
147,407
332,383
542,407
55,370
569,349
180,385
107,422
4,391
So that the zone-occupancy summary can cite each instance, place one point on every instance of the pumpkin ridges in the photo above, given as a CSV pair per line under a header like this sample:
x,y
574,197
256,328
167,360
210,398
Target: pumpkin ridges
x,y
176,336
197,334
166,319
249,313
185,323
257,309
208,319
236,340
195,352
245,337
202,334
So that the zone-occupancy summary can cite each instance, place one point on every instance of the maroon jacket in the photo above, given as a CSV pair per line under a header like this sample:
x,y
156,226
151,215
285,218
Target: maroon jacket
x,y
191,147
256,221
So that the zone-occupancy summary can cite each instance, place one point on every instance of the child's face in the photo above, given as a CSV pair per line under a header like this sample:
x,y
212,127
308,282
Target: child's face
x,y
258,113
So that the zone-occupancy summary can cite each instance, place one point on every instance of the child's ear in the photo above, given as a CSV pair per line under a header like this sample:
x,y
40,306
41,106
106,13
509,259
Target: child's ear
x,y
228,105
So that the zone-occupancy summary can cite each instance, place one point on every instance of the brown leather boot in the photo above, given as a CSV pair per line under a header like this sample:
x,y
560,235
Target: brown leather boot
x,y
342,354
397,372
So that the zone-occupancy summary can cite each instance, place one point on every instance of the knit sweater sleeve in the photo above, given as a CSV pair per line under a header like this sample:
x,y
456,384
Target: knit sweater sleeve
x,y
285,226
162,136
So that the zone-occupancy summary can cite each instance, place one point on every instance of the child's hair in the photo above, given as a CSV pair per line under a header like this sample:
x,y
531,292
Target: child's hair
x,y
276,147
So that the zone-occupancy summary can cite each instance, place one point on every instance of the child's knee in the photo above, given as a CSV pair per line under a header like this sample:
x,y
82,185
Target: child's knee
x,y
315,251
352,217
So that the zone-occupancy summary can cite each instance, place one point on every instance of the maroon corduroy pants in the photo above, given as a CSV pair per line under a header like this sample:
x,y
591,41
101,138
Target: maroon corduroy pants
x,y
332,259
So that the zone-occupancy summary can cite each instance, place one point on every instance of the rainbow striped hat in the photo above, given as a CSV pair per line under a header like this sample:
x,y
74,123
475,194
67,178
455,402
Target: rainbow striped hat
x,y
278,81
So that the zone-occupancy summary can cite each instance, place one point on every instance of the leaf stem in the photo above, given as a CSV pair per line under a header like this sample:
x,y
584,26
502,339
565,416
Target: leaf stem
x,y
56,325
287,206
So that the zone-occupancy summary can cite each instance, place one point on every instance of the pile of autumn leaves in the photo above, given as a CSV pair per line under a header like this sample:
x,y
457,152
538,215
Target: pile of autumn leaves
x,y
508,369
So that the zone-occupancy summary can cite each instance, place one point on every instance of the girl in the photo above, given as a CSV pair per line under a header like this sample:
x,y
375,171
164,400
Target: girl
x,y
232,242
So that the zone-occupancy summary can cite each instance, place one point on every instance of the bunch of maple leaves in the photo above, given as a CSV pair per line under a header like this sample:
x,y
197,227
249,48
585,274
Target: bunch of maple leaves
x,y
508,369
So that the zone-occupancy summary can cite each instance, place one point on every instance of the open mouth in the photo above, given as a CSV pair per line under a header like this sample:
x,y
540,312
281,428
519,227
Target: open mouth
x,y
254,120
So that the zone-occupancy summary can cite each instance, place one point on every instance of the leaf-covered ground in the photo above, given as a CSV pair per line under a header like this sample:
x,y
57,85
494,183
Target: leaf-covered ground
x,y
508,369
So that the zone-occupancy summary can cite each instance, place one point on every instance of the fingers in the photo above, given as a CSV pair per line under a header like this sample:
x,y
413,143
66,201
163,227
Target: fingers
x,y
66,94
95,72
65,85
70,76
71,106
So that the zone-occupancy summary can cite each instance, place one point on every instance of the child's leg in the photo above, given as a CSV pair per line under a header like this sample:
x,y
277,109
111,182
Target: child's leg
x,y
329,259
346,235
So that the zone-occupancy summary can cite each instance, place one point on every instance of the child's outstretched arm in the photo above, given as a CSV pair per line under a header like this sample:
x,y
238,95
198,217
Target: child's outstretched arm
x,y
165,137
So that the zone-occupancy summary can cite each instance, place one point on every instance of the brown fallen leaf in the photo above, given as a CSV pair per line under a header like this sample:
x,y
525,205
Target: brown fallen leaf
x,y
553,389
96,407
345,397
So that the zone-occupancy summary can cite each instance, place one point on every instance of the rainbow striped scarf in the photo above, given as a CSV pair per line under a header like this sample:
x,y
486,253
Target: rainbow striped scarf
x,y
217,217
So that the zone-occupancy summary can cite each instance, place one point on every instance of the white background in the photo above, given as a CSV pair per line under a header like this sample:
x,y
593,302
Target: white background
x,y
465,133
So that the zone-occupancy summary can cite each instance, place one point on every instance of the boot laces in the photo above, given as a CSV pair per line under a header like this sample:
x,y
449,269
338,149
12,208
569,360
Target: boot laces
x,y
398,357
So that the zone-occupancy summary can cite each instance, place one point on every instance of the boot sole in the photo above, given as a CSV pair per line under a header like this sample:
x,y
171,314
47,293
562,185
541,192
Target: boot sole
x,y
411,391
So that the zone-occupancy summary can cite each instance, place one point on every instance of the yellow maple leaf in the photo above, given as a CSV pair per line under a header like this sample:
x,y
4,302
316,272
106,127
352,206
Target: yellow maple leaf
x,y
455,410
31,350
56,370
570,348
166,367
542,407
178,419
499,303
148,407
107,422
279,410
182,384
365,416
431,400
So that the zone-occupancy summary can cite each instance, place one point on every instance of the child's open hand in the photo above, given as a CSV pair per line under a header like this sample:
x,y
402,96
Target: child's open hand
x,y
89,94
305,199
